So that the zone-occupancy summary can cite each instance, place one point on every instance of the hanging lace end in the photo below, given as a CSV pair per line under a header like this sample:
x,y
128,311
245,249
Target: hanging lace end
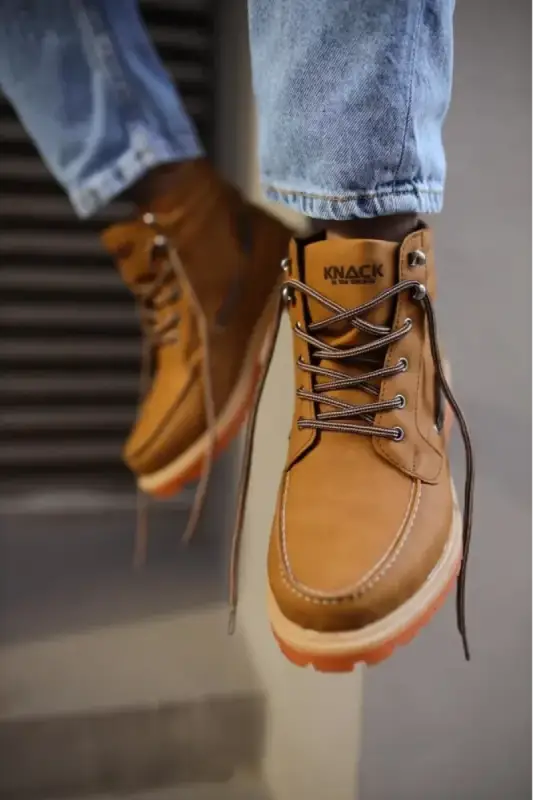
x,y
198,503
466,646
461,619
190,529
461,625
140,550
209,402
232,621
442,379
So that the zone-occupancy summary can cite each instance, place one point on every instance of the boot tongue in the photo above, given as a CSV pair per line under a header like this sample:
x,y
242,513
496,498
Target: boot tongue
x,y
350,272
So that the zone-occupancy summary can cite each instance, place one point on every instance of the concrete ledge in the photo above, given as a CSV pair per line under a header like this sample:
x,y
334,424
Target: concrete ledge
x,y
242,787
130,750
174,659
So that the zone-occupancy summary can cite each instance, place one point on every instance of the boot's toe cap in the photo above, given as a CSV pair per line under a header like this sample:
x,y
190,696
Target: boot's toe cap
x,y
346,568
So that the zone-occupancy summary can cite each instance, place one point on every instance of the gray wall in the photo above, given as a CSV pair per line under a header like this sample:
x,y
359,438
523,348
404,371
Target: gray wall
x,y
434,727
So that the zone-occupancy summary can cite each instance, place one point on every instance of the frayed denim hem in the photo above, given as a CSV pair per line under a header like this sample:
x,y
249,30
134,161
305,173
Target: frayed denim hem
x,y
143,154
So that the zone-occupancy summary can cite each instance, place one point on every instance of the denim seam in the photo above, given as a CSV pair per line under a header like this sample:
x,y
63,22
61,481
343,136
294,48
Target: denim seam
x,y
354,195
416,34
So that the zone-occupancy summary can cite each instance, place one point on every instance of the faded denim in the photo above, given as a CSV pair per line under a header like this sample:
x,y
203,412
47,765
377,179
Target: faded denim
x,y
352,95
91,91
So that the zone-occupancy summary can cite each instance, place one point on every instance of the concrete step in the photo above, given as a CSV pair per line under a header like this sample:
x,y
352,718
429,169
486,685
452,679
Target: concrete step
x,y
168,660
241,788
128,751
166,701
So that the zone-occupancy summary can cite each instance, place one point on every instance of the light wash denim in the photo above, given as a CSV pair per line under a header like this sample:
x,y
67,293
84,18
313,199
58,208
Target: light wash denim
x,y
90,89
351,94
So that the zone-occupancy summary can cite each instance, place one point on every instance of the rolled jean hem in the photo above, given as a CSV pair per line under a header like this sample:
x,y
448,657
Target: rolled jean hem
x,y
143,154
397,198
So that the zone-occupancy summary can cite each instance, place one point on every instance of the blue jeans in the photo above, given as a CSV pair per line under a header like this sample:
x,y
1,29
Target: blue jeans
x,y
351,98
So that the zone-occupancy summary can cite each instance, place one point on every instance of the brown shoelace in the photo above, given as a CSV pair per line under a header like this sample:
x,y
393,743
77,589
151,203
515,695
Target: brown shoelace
x,y
246,465
341,419
154,296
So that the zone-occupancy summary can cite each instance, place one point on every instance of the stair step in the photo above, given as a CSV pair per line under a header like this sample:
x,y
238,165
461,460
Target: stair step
x,y
127,751
238,789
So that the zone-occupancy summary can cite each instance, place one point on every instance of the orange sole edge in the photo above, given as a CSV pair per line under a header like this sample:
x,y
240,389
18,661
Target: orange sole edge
x,y
346,662
231,431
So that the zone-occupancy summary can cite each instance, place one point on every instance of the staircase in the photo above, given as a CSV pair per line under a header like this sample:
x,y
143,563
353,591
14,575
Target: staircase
x,y
115,682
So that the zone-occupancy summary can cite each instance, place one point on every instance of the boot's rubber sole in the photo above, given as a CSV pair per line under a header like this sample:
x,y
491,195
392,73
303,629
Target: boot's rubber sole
x,y
342,651
188,466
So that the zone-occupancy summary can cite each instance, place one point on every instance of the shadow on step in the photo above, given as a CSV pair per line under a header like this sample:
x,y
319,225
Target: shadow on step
x,y
127,751
65,570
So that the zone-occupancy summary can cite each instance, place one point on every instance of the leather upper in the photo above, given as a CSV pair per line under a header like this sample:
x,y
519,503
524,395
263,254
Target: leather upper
x,y
230,252
360,521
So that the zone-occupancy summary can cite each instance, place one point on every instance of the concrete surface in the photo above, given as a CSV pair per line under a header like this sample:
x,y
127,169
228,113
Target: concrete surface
x,y
66,570
128,749
242,788
183,657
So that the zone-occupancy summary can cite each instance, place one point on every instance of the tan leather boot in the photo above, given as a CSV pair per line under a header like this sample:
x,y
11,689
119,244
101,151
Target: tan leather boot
x,y
204,265
367,536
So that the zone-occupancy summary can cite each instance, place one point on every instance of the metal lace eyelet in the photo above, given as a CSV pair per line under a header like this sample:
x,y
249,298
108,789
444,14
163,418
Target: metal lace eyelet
x,y
404,364
400,400
298,326
148,218
399,434
160,240
287,295
419,292
417,258
408,322
286,264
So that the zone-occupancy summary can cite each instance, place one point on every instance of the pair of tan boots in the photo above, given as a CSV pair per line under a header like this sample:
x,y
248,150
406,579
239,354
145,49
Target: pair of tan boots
x,y
367,537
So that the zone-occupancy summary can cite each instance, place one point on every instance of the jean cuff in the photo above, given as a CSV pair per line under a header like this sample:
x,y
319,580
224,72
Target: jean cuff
x,y
394,198
143,153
